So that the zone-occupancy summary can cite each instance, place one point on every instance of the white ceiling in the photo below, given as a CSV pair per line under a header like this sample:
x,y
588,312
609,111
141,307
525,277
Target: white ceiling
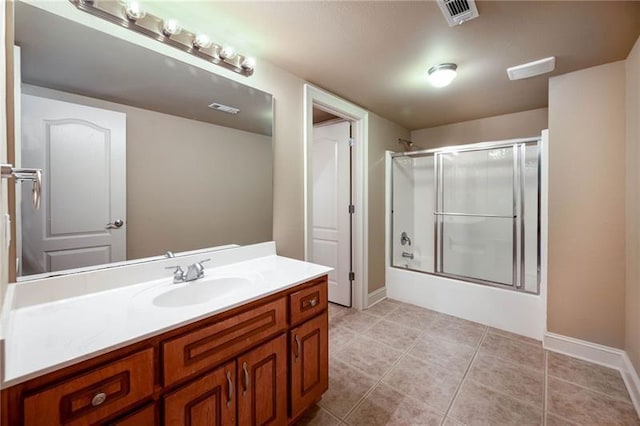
x,y
59,54
376,53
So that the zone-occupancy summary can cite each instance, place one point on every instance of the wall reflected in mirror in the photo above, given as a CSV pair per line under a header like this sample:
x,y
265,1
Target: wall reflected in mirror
x,y
136,161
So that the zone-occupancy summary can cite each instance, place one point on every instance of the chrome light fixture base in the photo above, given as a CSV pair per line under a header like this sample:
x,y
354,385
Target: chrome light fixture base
x,y
443,74
158,29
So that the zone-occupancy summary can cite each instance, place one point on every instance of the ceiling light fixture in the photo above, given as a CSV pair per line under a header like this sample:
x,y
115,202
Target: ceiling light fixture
x,y
442,75
227,52
130,14
171,27
133,10
202,41
248,63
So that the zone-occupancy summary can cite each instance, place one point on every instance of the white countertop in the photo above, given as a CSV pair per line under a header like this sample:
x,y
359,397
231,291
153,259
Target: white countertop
x,y
41,336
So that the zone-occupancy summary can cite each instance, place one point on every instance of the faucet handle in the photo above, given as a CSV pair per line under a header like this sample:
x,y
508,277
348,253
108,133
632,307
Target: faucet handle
x,y
178,273
200,268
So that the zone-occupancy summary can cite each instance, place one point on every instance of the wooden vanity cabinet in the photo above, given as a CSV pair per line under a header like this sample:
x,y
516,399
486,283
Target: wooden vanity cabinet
x,y
145,416
309,364
262,384
207,401
263,363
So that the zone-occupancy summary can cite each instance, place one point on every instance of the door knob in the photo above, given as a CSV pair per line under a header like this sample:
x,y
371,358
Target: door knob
x,y
117,224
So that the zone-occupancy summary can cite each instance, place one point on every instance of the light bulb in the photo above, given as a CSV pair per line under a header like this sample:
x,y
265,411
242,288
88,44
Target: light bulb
x,y
442,75
202,41
171,27
227,52
134,11
248,63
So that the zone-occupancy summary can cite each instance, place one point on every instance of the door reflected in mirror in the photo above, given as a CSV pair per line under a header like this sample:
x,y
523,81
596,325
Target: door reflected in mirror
x,y
135,160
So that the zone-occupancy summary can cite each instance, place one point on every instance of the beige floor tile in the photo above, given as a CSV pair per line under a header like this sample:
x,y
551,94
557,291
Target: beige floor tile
x,y
393,334
450,422
447,354
479,405
526,384
382,308
524,339
336,311
429,383
553,420
413,316
339,336
385,406
371,357
457,330
317,416
583,406
592,376
358,322
347,386
514,351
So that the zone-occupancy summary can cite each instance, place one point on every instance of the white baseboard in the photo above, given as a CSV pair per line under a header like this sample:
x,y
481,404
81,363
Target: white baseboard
x,y
598,354
376,296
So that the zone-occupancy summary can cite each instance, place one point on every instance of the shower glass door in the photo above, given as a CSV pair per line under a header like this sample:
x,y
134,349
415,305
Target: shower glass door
x,y
470,213
476,214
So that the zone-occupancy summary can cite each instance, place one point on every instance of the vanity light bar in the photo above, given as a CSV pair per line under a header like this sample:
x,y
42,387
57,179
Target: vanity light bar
x,y
131,15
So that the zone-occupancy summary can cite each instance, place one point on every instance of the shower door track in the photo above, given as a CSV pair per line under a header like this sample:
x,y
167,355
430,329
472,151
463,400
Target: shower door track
x,y
518,146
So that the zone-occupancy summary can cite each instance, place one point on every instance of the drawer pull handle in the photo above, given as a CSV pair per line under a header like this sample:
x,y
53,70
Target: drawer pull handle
x,y
245,373
313,302
98,399
230,388
297,352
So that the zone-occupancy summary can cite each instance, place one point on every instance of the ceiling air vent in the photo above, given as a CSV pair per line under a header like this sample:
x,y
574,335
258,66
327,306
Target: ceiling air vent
x,y
224,108
458,11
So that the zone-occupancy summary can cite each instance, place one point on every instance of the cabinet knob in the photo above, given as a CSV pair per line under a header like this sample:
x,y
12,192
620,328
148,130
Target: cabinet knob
x,y
98,399
313,302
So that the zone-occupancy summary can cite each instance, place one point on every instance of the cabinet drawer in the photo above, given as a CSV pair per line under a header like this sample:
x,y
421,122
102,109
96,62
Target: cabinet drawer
x,y
205,348
143,417
308,302
93,396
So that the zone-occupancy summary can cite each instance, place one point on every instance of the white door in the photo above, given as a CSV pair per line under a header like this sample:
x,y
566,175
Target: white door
x,y
82,153
331,234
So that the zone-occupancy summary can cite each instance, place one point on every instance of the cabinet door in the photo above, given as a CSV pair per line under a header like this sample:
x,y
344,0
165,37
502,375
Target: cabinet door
x,y
208,401
309,363
262,384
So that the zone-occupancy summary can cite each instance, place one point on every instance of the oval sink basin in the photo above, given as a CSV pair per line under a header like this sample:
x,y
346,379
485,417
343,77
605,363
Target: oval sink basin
x,y
198,292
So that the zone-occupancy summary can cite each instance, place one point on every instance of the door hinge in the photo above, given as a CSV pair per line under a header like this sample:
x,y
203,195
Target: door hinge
x,y
352,209
352,276
352,141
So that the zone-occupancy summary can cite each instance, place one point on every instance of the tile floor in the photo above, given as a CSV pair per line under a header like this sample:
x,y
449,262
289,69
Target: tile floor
x,y
398,364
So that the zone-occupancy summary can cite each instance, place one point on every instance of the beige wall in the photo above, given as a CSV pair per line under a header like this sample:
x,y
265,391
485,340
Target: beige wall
x,y
586,295
507,126
632,324
216,180
383,136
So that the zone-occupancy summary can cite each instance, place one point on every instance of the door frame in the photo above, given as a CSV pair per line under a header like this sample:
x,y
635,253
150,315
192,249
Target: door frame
x,y
315,97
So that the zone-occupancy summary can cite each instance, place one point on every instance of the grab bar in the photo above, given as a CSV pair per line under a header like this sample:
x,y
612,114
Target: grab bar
x,y
475,215
21,174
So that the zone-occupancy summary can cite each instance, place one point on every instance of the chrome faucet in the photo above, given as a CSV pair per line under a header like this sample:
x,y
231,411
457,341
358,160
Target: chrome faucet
x,y
194,271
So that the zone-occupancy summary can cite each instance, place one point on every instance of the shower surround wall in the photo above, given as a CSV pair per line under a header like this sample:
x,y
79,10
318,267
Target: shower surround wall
x,y
476,182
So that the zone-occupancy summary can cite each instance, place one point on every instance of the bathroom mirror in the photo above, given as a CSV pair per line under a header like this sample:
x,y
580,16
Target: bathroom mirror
x,y
137,158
